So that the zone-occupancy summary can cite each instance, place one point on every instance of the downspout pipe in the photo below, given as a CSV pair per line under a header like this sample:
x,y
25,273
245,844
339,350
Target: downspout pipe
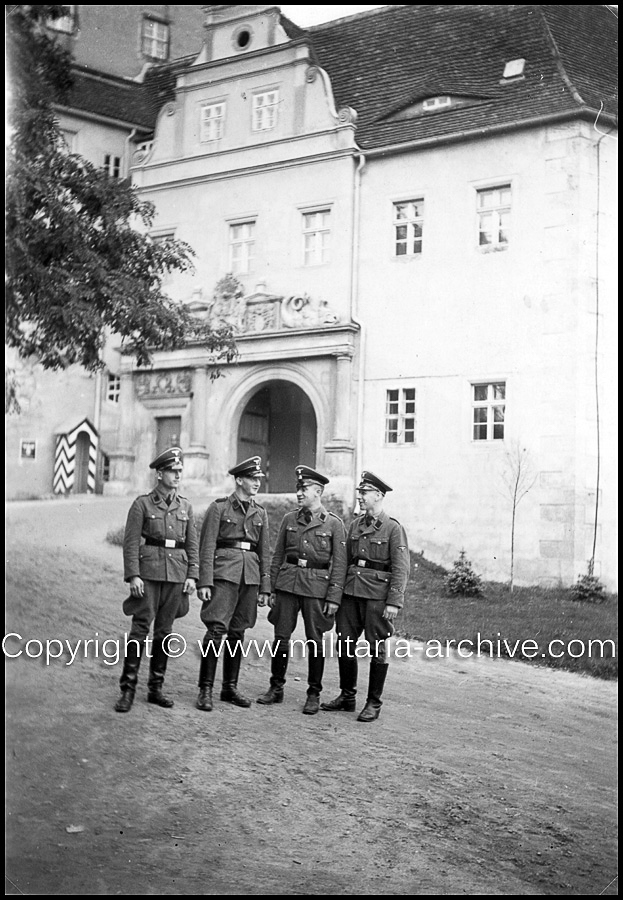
x,y
354,311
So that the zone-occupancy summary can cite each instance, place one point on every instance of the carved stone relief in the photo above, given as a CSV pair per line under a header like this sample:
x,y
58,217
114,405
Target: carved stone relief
x,y
152,385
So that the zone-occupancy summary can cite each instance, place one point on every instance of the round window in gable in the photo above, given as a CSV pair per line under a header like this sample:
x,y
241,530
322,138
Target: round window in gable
x,y
243,37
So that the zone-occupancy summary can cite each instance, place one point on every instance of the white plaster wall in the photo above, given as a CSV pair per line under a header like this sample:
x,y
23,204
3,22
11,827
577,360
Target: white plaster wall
x,y
456,315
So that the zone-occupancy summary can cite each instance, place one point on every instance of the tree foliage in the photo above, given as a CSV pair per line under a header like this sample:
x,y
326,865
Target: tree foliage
x,y
79,261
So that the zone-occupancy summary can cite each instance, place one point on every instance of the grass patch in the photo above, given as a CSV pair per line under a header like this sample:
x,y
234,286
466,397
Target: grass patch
x,y
540,626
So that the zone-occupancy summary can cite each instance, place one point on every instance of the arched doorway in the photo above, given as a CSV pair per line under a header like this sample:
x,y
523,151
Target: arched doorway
x,y
278,424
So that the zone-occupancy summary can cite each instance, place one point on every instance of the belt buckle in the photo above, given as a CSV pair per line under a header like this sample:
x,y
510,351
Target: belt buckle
x,y
245,545
169,543
362,562
302,563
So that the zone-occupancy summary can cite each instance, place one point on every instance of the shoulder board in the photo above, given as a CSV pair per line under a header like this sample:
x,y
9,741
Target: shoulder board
x,y
221,499
391,519
181,497
258,505
335,516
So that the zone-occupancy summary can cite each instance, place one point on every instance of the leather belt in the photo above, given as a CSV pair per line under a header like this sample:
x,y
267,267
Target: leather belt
x,y
165,542
304,563
369,564
236,545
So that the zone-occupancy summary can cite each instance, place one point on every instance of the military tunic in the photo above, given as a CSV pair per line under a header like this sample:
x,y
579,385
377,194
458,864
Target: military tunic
x,y
308,568
378,571
234,557
164,569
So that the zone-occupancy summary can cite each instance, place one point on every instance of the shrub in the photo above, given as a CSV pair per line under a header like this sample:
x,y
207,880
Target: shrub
x,y
588,589
462,579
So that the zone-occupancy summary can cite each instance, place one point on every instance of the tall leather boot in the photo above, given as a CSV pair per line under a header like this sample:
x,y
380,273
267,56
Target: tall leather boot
x,y
231,671
129,676
315,669
345,701
207,673
278,668
157,671
372,709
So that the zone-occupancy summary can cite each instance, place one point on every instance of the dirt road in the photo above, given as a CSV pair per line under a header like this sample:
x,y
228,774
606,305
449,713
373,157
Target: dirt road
x,y
480,776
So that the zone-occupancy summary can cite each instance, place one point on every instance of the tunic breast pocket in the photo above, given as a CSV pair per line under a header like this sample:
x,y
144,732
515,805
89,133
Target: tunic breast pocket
x,y
181,522
292,538
254,528
322,540
154,526
379,549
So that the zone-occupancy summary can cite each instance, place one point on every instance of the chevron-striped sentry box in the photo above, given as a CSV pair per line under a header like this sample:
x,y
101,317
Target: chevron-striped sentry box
x,y
75,460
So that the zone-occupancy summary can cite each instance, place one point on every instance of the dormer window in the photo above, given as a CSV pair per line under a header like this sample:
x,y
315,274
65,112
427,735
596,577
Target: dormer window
x,y
432,103
265,110
514,69
212,122
155,39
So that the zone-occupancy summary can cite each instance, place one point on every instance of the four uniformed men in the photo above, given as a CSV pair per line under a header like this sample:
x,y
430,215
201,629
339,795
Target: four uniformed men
x,y
356,580
306,574
161,564
233,567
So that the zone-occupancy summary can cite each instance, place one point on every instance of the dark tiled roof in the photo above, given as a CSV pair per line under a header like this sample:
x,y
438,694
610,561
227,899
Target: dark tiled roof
x,y
393,57
385,61
111,97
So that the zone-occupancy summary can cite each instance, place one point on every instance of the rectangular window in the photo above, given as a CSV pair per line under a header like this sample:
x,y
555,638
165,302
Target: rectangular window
x,y
408,226
65,24
435,103
28,449
265,110
155,39
317,237
112,165
241,248
113,388
494,210
400,416
212,122
489,405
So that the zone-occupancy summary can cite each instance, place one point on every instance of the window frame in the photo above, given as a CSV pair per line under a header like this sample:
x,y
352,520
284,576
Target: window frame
x,y
325,249
257,95
503,184
251,242
110,169
400,416
411,221
23,445
153,39
113,388
490,404
220,120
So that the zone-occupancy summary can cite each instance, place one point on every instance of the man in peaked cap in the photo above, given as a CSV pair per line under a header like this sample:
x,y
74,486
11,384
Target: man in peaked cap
x,y
378,569
161,565
234,557
307,575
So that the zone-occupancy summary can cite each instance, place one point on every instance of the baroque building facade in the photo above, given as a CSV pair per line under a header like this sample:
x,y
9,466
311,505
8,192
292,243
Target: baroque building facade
x,y
408,217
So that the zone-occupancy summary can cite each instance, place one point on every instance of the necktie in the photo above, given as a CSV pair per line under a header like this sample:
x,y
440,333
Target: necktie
x,y
307,515
169,499
245,506
369,520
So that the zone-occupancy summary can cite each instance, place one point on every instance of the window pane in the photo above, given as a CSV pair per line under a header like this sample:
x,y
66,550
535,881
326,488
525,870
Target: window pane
x,y
498,413
480,432
498,432
499,391
401,210
480,392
